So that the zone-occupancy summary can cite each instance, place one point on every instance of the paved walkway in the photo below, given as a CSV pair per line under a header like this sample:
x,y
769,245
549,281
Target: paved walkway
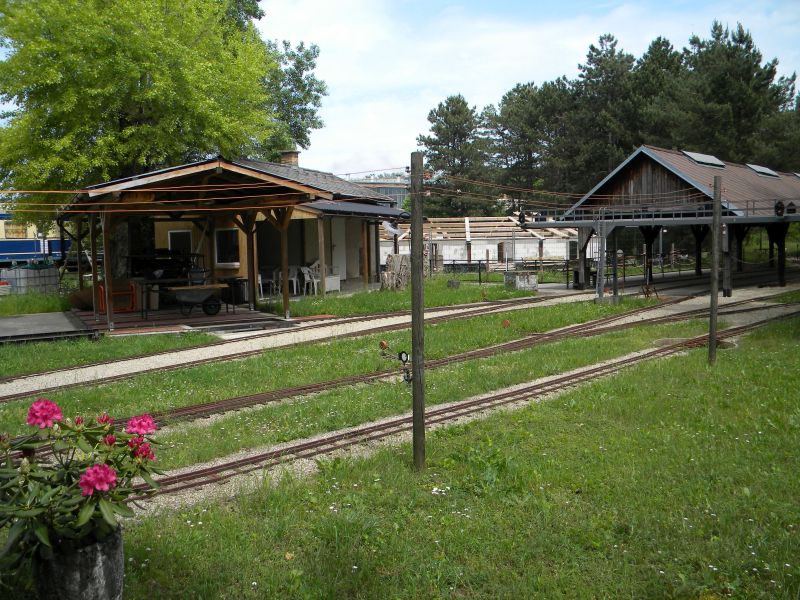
x,y
38,324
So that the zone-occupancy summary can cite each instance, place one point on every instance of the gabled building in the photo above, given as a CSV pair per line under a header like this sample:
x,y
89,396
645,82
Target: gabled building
x,y
655,188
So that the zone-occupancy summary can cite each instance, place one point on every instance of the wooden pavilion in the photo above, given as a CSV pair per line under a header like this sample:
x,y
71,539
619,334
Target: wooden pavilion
x,y
209,195
656,187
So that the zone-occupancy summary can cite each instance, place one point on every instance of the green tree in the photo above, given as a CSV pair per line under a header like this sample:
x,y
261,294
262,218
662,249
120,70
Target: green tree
x,y
296,91
730,94
605,113
456,150
109,89
659,82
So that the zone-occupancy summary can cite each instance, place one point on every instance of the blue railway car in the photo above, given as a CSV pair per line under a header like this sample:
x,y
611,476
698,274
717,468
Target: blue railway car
x,y
19,244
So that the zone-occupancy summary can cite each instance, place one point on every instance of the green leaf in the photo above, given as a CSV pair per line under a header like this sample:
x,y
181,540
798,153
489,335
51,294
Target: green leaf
x,y
149,480
28,512
83,445
85,514
16,531
40,529
107,511
123,510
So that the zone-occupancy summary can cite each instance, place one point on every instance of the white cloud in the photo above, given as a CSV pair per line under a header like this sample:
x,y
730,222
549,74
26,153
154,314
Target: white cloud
x,y
387,66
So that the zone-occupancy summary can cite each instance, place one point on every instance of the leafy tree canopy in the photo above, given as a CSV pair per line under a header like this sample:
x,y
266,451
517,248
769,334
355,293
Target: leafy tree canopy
x,y
456,149
109,89
716,96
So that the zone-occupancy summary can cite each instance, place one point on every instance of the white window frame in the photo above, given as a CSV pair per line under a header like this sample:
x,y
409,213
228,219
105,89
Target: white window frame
x,y
169,237
226,265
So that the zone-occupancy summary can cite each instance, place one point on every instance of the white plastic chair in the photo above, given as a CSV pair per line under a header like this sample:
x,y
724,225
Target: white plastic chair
x,y
311,279
294,280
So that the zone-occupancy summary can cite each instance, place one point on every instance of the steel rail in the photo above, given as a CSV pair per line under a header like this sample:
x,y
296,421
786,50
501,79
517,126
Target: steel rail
x,y
359,435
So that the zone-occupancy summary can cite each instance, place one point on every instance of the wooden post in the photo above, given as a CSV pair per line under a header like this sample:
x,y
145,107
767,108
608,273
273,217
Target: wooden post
x,y
584,235
364,255
323,265
95,274
417,314
249,222
716,217
601,260
107,274
212,247
699,232
377,246
78,250
614,266
727,285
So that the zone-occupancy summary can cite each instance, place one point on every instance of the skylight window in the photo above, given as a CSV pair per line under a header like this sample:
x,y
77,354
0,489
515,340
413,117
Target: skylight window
x,y
763,171
705,159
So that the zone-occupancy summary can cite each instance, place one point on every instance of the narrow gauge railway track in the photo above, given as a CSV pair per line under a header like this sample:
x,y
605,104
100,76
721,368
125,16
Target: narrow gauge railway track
x,y
217,474
591,328
466,311
480,310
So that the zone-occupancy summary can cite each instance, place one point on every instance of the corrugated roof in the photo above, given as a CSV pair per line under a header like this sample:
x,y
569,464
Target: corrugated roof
x,y
356,209
743,189
480,228
321,180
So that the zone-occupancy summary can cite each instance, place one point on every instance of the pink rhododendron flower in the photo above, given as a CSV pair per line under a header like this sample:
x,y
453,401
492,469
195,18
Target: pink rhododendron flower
x,y
43,413
78,420
109,440
97,477
104,419
143,425
144,451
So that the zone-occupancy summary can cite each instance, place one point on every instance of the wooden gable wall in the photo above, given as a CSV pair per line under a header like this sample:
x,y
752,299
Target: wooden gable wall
x,y
640,183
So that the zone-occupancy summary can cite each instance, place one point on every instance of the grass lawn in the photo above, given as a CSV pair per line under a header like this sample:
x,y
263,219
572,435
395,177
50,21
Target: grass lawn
x,y
436,294
279,368
350,406
671,480
32,302
17,359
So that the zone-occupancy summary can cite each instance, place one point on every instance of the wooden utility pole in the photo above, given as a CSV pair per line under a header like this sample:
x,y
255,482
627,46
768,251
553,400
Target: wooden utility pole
x,y
715,221
417,313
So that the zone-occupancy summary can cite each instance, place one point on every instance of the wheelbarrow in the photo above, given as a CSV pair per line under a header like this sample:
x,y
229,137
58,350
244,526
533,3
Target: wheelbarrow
x,y
206,296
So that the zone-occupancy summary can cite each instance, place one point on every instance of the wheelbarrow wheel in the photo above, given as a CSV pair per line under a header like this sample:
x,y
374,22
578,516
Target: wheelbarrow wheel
x,y
211,306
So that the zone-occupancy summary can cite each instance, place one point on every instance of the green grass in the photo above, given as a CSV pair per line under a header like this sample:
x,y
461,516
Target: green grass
x,y
279,368
671,480
436,294
30,358
32,302
787,297
347,407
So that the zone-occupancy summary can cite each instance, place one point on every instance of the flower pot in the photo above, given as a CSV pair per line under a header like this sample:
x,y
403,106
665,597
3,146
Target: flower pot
x,y
93,572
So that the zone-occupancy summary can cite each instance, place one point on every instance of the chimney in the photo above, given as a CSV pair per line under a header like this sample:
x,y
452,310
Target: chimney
x,y
290,157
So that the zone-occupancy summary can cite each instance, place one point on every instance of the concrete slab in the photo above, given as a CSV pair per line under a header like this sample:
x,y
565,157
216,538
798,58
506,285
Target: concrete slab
x,y
38,324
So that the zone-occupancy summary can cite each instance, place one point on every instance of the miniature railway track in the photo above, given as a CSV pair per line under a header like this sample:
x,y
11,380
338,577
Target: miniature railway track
x,y
444,414
470,311
590,328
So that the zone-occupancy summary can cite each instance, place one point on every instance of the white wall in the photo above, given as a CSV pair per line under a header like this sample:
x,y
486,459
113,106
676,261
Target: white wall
x,y
457,250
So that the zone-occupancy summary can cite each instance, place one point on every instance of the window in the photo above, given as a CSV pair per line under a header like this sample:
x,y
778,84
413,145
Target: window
x,y
16,231
227,246
180,240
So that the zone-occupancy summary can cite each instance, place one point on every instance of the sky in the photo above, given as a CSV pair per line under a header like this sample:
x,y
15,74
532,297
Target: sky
x,y
388,63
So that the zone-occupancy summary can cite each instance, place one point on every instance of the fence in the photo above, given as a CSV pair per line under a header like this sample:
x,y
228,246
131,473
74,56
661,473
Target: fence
x,y
41,278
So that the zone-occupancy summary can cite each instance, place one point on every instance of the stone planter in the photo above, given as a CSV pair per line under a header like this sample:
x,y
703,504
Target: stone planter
x,y
90,573
521,280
